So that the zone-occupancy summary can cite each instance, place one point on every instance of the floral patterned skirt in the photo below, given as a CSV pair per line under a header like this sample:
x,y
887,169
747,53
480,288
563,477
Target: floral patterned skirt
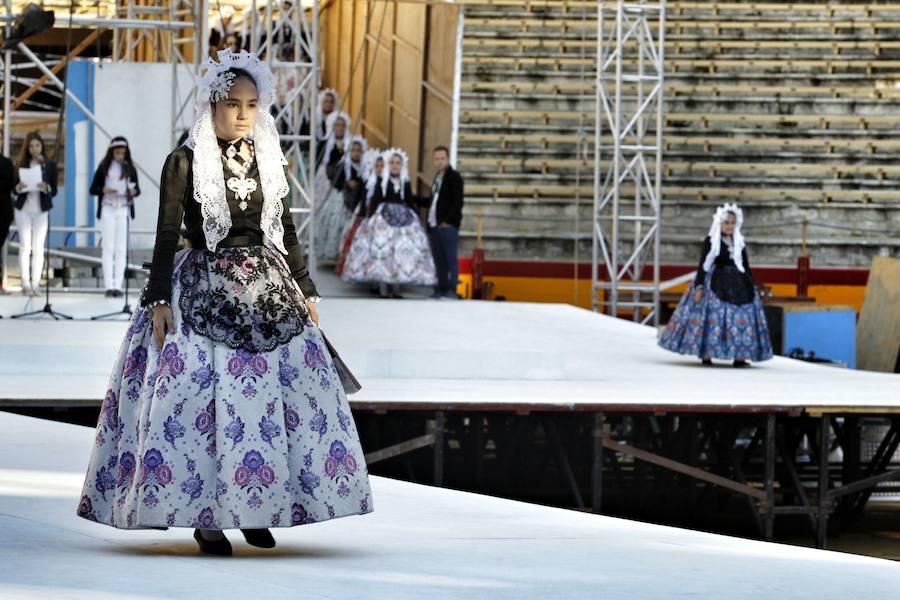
x,y
331,217
391,246
239,421
713,328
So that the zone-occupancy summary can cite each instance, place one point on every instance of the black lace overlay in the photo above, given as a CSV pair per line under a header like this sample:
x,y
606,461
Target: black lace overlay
x,y
397,215
243,297
732,286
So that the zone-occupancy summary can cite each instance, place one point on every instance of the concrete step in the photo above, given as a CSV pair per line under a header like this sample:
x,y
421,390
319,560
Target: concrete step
x,y
686,151
747,104
774,251
742,73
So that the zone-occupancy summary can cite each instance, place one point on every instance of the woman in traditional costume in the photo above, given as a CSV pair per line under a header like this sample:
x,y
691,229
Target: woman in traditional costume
x,y
331,214
721,315
352,184
224,409
393,248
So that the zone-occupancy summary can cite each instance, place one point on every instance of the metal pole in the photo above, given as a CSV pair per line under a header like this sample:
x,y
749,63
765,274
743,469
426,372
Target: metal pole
x,y
638,226
598,187
7,91
439,448
616,165
770,477
457,85
202,33
660,125
597,434
7,126
313,141
822,519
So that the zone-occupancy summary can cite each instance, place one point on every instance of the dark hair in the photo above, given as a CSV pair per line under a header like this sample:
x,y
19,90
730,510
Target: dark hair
x,y
107,160
443,149
240,74
24,157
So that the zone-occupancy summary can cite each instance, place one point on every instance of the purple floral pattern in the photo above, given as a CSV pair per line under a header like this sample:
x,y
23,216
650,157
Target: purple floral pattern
x,y
201,434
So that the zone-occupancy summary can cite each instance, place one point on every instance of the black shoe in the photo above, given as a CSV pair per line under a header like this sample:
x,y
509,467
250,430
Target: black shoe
x,y
110,294
219,547
397,295
118,293
741,364
261,538
707,362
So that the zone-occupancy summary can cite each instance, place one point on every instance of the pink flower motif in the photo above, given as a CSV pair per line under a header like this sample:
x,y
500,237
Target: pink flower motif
x,y
349,463
176,365
259,365
163,474
242,476
266,475
331,466
236,366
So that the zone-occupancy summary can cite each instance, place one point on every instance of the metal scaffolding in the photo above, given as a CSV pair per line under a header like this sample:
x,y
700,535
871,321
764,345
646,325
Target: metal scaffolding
x,y
628,175
177,32
288,37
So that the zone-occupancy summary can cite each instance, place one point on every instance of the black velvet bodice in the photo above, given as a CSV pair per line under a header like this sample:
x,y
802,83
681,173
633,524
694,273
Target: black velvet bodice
x,y
177,204
727,281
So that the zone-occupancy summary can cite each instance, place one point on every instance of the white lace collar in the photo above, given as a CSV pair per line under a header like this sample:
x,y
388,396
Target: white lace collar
x,y
208,171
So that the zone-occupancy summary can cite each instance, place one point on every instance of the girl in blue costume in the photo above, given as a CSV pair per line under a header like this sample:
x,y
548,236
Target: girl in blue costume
x,y
721,315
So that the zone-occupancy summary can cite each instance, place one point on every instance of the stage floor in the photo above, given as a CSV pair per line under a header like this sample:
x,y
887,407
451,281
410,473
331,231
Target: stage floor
x,y
431,354
420,542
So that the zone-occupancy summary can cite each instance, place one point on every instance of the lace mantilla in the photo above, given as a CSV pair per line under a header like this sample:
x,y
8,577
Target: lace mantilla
x,y
404,170
209,175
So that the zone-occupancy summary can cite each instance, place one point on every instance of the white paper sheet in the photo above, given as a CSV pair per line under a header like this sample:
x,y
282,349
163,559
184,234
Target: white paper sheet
x,y
120,185
31,177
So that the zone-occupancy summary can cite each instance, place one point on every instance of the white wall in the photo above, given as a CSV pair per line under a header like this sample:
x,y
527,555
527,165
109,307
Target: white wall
x,y
135,100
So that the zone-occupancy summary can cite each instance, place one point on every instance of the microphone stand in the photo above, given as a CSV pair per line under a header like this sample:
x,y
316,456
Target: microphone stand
x,y
48,309
126,309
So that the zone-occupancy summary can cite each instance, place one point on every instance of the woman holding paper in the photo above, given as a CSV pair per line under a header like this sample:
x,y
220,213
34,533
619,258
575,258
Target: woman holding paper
x,y
35,187
115,184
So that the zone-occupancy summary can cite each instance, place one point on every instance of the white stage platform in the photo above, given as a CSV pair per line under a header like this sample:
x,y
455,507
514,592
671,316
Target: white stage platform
x,y
420,542
443,354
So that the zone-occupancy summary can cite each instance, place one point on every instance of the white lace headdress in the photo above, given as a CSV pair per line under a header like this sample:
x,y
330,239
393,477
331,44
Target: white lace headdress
x,y
321,97
348,162
209,175
368,160
715,237
329,132
370,157
404,170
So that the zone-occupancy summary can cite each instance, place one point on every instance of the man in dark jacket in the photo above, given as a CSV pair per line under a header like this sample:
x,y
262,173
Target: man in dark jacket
x,y
6,207
444,217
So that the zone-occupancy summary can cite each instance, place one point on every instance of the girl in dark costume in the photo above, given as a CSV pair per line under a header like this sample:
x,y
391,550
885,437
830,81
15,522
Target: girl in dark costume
x,y
330,213
721,315
352,183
